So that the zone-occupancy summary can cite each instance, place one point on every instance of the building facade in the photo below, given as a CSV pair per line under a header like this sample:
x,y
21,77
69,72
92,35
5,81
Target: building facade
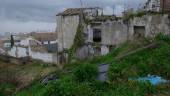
x,y
157,5
102,33
68,22
165,4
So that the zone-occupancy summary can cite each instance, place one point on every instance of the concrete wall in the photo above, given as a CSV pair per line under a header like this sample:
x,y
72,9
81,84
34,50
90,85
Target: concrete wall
x,y
114,32
153,25
20,52
66,30
89,34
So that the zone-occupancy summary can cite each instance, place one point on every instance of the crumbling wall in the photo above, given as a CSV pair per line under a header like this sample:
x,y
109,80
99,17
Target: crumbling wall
x,y
66,30
117,32
153,24
114,32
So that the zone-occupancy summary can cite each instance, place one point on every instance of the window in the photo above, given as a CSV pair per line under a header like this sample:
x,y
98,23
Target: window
x,y
97,35
139,31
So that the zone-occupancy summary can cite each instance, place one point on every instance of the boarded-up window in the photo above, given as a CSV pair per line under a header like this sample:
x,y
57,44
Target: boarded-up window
x,y
97,35
139,31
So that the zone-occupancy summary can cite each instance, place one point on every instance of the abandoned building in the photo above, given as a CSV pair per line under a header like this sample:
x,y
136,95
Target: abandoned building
x,y
68,21
101,33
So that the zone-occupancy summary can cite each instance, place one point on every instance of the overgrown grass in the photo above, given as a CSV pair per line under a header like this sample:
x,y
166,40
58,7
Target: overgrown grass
x,y
148,61
133,15
6,89
21,76
36,89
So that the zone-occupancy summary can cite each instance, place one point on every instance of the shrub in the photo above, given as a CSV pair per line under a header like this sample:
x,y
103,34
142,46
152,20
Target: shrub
x,y
63,87
84,89
162,37
161,61
6,89
86,72
141,87
35,89
140,14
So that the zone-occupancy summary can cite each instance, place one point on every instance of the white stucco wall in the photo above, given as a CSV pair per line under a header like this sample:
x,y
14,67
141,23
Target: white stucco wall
x,y
29,42
21,52
104,50
46,57
153,5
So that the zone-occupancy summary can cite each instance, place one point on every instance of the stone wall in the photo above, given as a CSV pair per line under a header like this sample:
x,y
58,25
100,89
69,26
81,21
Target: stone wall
x,y
66,30
153,24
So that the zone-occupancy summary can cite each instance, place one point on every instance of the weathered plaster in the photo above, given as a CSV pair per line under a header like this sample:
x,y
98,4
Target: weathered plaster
x,y
66,30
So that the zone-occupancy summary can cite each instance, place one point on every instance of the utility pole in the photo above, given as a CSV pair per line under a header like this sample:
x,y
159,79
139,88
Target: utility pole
x,y
12,41
163,6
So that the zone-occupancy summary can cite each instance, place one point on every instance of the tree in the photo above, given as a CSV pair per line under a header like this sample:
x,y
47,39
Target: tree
x,y
12,41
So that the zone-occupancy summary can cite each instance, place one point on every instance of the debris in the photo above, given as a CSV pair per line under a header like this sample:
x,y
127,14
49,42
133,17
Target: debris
x,y
49,78
153,79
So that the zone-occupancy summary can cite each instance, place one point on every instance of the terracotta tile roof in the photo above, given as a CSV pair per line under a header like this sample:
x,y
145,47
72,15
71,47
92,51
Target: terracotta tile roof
x,y
48,36
71,11
75,11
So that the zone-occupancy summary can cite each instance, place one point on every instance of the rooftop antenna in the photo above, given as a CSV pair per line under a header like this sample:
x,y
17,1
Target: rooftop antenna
x,y
81,2
125,6
82,14
113,10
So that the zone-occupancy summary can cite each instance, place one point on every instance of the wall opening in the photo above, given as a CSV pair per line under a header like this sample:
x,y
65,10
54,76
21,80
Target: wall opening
x,y
97,35
139,31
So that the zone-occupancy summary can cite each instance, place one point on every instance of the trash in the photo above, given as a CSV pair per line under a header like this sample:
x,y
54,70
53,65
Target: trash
x,y
49,78
153,79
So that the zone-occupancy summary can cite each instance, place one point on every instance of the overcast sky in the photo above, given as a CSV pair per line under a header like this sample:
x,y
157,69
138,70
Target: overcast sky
x,y
34,15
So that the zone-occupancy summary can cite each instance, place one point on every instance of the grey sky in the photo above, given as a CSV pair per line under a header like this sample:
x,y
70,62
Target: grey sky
x,y
33,15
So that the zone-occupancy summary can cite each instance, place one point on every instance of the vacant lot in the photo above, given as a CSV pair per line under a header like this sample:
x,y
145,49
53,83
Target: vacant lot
x,y
20,76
